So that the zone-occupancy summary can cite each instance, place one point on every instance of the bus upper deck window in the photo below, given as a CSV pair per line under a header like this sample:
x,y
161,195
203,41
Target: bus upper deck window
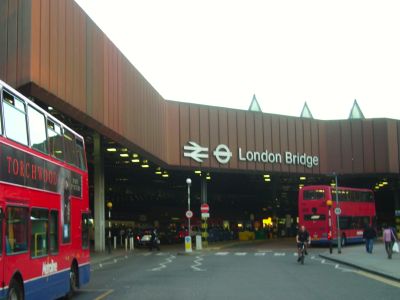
x,y
69,146
56,141
14,113
37,130
80,154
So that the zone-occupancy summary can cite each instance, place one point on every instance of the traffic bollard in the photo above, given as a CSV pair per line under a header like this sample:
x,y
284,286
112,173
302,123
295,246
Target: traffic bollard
x,y
115,242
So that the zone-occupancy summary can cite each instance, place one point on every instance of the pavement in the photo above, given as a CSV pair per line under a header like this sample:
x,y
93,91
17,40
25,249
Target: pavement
x,y
376,263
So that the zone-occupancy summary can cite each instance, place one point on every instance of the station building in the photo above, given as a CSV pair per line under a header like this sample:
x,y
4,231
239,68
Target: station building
x,y
141,147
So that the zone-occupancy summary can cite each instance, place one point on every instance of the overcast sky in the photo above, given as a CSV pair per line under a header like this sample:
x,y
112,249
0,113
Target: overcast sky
x,y
286,52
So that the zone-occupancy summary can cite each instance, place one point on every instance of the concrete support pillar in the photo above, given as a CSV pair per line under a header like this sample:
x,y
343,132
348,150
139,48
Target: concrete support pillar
x,y
204,225
203,191
99,203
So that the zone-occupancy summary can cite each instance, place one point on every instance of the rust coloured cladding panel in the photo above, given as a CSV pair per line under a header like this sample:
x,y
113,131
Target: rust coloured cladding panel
x,y
53,47
368,142
307,138
358,148
61,49
205,132
346,147
24,42
223,132
393,146
12,43
323,147
284,141
267,126
259,137
194,129
44,44
334,147
315,149
250,137
233,138
3,39
241,139
184,132
214,136
380,145
276,147
291,126
299,143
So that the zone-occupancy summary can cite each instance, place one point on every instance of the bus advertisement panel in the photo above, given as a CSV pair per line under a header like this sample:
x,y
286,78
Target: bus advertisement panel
x,y
317,206
44,206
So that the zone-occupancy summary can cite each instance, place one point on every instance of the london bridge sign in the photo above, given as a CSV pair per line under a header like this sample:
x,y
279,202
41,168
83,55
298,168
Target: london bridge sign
x,y
223,155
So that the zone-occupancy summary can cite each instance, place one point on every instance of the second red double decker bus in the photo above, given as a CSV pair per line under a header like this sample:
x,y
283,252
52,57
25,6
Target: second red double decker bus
x,y
317,206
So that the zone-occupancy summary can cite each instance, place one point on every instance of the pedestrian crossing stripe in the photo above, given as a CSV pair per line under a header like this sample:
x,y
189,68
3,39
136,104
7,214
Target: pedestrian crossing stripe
x,y
222,253
240,253
260,254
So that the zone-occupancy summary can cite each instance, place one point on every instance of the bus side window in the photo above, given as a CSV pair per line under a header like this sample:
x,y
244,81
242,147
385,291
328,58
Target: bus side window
x,y
80,154
37,130
17,229
69,146
14,113
56,141
39,225
85,230
53,229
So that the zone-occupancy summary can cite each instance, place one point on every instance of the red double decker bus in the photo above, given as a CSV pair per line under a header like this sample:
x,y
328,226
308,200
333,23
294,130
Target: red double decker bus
x,y
44,237
317,205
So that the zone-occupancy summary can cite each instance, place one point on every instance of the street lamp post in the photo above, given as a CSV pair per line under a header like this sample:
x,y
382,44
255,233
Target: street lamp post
x,y
189,182
338,216
109,206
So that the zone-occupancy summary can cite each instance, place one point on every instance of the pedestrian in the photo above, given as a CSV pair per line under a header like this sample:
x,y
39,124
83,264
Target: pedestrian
x,y
388,239
154,241
369,235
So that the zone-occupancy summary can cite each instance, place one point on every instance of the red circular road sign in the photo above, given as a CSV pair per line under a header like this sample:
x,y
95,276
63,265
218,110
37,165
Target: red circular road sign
x,y
189,214
204,208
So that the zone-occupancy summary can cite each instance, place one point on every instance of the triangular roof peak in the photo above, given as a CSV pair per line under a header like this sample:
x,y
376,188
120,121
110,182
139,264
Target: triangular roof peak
x,y
306,112
254,106
356,112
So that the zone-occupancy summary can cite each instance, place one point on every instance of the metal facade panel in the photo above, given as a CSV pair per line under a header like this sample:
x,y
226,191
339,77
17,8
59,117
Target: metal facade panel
x,y
250,137
393,146
184,132
214,136
194,128
259,137
358,149
284,137
267,125
276,142
368,143
315,148
334,147
380,145
346,147
173,134
299,142
241,136
307,138
223,131
291,140
205,131
233,137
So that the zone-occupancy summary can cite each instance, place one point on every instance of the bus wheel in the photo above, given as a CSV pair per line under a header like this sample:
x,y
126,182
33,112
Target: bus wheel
x,y
343,241
73,281
15,291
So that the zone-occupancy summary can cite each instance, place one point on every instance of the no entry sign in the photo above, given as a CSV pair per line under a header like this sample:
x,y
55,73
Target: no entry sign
x,y
204,208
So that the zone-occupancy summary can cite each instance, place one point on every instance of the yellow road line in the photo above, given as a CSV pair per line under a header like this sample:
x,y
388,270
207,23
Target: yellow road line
x,y
379,278
105,294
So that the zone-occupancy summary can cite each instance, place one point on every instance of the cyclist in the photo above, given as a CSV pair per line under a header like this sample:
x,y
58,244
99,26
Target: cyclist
x,y
302,237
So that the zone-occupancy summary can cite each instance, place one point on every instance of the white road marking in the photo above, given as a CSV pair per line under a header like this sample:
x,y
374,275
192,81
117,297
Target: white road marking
x,y
279,254
295,254
164,264
146,254
241,253
260,254
266,251
197,264
222,253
